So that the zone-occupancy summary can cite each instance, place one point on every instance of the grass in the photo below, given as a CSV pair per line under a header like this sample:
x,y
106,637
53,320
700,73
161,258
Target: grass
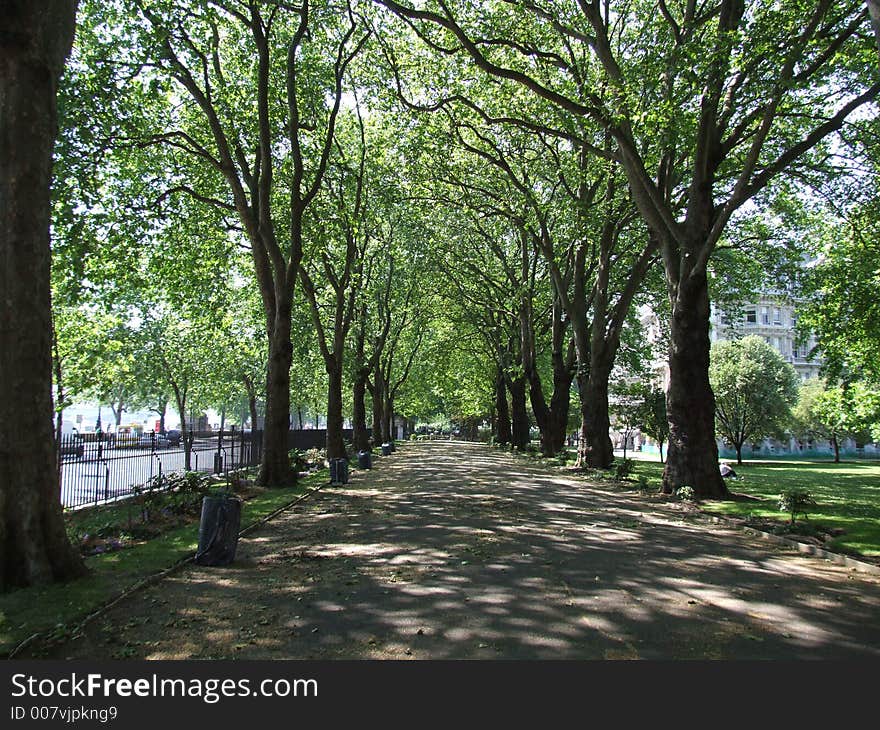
x,y
847,497
58,608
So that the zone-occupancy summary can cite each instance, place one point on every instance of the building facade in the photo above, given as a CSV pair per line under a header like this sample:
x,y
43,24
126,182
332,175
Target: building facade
x,y
773,318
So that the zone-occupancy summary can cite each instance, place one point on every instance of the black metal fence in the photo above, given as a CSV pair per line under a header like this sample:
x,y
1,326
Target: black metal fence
x,y
95,471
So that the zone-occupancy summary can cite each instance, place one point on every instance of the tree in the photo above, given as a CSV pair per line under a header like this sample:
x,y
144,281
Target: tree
x,y
33,543
250,80
842,303
706,103
833,412
754,390
651,416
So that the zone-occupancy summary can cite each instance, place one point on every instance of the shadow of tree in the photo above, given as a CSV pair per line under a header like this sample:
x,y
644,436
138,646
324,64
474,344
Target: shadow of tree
x,y
450,550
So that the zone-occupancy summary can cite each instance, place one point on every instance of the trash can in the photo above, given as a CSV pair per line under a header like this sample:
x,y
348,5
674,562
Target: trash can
x,y
338,472
365,460
386,449
218,530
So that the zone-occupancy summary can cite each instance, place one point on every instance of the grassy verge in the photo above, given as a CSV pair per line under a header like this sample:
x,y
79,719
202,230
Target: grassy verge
x,y
847,498
57,608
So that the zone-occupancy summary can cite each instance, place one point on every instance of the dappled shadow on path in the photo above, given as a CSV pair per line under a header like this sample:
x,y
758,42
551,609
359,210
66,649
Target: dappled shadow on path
x,y
455,550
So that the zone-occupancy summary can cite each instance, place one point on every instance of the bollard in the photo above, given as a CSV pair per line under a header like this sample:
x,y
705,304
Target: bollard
x,y
365,460
218,530
338,472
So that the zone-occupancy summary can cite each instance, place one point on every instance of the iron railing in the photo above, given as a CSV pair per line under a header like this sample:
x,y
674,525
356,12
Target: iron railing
x,y
96,471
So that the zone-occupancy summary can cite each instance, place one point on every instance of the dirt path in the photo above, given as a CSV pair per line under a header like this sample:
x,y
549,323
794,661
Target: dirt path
x,y
453,550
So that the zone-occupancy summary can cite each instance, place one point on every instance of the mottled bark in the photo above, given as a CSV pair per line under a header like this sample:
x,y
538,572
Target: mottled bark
x,y
275,468
335,442
692,455
378,392
360,435
874,12
595,448
502,411
34,548
519,416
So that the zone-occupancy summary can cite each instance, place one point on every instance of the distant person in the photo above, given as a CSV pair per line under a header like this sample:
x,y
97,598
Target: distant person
x,y
727,471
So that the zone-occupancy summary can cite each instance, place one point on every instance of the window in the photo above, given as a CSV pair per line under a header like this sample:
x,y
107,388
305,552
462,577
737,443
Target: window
x,y
765,316
751,316
777,316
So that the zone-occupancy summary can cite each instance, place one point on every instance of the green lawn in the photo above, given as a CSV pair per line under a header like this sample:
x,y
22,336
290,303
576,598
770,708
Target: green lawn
x,y
847,496
58,608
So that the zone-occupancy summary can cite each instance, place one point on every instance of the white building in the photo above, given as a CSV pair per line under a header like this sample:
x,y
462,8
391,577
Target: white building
x,y
772,317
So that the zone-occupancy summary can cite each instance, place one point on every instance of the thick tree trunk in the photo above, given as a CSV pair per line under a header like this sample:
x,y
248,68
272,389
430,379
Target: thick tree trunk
x,y
502,411
335,441
387,418
836,444
275,469
595,448
34,547
360,437
519,414
739,454
560,401
540,409
692,455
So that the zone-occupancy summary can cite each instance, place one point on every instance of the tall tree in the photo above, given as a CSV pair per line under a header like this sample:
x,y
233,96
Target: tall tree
x,y
34,44
290,60
707,103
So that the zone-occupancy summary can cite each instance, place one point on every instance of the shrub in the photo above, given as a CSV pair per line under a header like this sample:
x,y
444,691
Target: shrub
x,y
643,482
623,469
795,502
685,493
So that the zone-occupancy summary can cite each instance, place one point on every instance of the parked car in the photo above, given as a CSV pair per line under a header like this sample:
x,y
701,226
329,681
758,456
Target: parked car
x,y
150,440
173,437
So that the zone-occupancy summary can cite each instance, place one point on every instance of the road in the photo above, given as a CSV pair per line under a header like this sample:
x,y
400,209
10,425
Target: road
x,y
448,550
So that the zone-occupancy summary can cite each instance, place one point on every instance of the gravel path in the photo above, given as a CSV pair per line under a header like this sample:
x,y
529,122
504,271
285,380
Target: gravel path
x,y
457,551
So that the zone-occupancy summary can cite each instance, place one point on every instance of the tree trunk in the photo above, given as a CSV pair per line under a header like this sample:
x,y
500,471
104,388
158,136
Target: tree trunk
x,y
560,402
360,437
836,444
660,446
874,12
186,435
692,454
378,393
595,448
34,548
739,454
275,469
502,411
519,414
335,441
387,418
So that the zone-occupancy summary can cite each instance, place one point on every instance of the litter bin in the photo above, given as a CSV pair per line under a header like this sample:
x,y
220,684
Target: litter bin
x,y
218,530
365,460
338,472
386,449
